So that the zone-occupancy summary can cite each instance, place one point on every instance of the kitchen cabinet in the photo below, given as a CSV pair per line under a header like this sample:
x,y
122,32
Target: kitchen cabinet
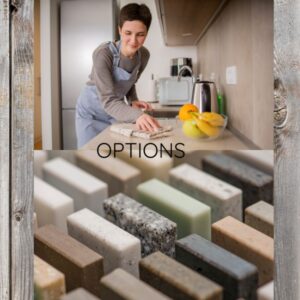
x,y
184,22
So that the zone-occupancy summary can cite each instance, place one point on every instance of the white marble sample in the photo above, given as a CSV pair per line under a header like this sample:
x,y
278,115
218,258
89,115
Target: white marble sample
x,y
119,248
157,167
120,176
86,190
39,158
262,160
266,292
51,205
223,198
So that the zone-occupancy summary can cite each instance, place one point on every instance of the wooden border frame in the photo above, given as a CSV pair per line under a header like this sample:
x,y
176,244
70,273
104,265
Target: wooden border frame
x,y
16,149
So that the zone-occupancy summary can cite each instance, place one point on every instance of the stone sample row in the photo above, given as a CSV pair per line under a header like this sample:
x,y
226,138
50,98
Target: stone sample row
x,y
248,243
176,280
261,217
238,277
190,215
82,266
86,190
223,198
154,231
255,184
119,248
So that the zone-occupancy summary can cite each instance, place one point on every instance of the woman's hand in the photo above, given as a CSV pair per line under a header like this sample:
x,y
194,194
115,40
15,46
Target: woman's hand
x,y
141,105
147,123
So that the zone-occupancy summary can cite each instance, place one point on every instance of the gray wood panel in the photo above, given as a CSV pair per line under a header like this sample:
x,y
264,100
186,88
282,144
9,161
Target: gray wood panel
x,y
21,101
4,150
287,148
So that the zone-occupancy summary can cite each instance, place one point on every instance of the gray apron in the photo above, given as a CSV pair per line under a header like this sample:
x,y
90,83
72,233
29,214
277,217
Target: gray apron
x,y
91,118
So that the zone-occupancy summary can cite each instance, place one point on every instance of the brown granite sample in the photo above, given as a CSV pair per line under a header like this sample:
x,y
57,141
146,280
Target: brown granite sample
x,y
248,243
176,280
82,266
261,217
120,285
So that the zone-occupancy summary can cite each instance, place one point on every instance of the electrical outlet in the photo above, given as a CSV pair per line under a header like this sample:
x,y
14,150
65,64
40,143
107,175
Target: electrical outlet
x,y
231,75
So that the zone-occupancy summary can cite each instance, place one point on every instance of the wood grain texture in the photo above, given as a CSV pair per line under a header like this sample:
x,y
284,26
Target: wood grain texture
x,y
287,148
22,92
4,150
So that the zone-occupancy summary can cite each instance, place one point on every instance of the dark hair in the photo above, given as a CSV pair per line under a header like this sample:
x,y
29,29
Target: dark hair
x,y
135,12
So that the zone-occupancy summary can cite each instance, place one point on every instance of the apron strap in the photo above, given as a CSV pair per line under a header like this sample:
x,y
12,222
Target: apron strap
x,y
115,49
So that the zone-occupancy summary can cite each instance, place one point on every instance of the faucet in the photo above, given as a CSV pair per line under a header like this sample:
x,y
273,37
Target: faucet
x,y
181,71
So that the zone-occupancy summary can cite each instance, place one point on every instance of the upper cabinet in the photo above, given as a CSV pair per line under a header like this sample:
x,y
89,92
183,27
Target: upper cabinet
x,y
183,22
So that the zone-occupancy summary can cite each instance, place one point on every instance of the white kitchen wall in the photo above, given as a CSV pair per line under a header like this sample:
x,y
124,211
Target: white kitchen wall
x,y
159,62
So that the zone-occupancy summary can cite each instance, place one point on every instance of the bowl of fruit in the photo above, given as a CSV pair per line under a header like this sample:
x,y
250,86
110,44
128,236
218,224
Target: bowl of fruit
x,y
205,125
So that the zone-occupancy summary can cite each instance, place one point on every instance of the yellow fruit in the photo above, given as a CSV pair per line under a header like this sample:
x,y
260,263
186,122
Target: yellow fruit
x,y
185,111
207,128
191,129
212,118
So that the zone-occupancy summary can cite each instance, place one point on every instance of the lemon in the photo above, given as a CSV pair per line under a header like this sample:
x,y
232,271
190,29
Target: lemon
x,y
212,118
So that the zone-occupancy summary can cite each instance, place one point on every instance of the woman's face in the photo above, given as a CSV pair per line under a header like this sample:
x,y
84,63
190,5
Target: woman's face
x,y
133,35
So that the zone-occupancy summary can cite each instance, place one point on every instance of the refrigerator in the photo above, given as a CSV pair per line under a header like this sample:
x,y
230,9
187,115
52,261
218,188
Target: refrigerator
x,y
84,25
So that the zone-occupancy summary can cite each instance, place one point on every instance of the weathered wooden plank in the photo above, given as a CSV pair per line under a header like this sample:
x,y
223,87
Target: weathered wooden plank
x,y
4,150
21,149
287,148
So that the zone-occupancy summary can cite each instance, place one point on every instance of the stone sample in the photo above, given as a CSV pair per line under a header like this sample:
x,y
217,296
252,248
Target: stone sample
x,y
223,198
49,283
153,166
120,285
238,277
255,184
190,215
82,266
154,231
79,294
35,223
248,243
176,280
261,217
119,248
86,190
39,158
120,176
51,205
266,292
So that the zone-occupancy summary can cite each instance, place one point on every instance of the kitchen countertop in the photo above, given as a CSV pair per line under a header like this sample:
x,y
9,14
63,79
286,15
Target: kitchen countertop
x,y
227,141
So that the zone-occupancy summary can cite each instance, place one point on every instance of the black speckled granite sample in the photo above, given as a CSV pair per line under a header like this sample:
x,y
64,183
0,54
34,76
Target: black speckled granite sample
x,y
176,280
255,184
238,277
155,232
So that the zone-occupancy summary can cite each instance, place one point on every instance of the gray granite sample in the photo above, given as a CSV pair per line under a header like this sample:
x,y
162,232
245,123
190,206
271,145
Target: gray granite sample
x,y
255,184
154,231
120,285
238,277
79,294
176,280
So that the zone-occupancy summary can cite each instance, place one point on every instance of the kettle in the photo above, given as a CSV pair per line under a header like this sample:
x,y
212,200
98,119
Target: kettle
x,y
204,96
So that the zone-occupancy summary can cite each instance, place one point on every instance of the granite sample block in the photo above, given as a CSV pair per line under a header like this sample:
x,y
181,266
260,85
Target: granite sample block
x,y
153,230
248,243
261,217
79,294
223,198
119,175
51,205
49,283
119,248
176,280
82,266
190,215
238,277
39,158
120,285
153,166
266,292
255,184
86,190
